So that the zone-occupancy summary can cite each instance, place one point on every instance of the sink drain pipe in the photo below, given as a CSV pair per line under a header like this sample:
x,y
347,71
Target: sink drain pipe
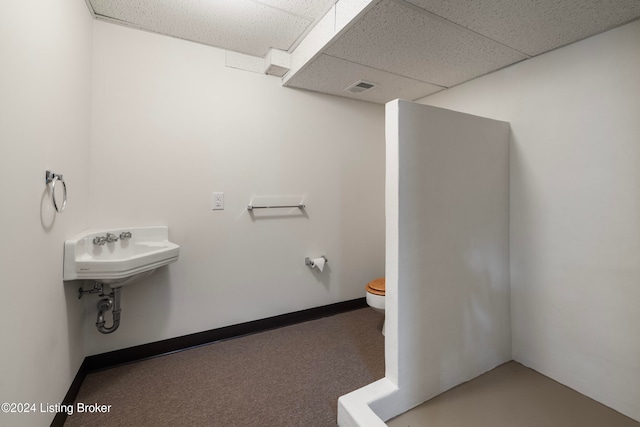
x,y
105,304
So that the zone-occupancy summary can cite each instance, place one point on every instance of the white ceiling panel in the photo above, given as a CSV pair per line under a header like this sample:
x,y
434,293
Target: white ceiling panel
x,y
534,27
403,39
411,48
310,9
241,25
332,75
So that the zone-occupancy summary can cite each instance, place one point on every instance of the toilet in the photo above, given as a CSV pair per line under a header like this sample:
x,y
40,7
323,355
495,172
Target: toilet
x,y
375,296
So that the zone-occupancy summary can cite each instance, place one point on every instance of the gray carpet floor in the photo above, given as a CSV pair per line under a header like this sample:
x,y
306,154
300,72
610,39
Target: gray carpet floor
x,y
291,376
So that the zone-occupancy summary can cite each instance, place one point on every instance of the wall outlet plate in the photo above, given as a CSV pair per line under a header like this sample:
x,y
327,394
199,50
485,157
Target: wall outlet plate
x,y
217,201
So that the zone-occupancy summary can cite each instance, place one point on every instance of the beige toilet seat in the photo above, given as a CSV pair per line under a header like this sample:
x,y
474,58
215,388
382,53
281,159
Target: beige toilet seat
x,y
377,286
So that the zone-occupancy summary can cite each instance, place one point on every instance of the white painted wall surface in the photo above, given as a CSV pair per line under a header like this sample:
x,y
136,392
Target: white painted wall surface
x,y
170,125
45,87
575,209
447,261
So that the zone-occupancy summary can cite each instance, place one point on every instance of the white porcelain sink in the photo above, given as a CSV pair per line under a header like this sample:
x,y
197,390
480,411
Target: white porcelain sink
x,y
119,262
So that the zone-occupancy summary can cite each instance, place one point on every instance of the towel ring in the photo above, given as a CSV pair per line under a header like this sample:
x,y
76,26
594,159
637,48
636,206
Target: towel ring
x,y
52,178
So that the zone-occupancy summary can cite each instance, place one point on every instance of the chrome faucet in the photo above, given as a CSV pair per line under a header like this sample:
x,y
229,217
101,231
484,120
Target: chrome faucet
x,y
110,238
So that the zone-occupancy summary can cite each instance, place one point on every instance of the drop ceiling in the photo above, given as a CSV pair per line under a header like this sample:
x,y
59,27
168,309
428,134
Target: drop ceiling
x,y
408,48
247,26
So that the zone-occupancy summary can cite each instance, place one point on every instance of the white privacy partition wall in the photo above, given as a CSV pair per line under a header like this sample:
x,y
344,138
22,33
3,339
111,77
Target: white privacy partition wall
x,y
447,258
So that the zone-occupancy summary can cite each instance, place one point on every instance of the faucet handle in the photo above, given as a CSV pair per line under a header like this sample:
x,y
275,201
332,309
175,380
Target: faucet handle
x,y
125,235
111,238
99,240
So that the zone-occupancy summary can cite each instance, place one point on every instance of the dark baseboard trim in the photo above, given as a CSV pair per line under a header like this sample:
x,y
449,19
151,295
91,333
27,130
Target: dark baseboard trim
x,y
72,393
159,348
146,351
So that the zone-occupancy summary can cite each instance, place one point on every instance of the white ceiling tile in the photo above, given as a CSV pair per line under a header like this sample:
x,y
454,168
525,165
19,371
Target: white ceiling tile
x,y
533,27
410,42
240,25
313,43
332,75
402,44
311,9
347,10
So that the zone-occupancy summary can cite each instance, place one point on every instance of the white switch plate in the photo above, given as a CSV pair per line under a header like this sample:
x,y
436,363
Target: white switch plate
x,y
217,201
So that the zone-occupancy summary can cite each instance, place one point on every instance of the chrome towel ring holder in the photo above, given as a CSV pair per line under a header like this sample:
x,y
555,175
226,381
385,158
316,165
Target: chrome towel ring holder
x,y
52,178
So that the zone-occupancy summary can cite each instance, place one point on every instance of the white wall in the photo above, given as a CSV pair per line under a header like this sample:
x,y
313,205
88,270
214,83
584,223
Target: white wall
x,y
447,260
45,86
575,209
170,125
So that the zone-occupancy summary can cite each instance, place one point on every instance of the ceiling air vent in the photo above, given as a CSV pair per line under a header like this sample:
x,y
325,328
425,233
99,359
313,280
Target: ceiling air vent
x,y
360,86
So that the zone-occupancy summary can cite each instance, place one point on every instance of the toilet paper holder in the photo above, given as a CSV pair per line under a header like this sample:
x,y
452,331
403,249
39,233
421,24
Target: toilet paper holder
x,y
308,261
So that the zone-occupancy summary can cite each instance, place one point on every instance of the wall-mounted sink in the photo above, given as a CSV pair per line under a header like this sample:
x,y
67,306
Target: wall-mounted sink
x,y
118,257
